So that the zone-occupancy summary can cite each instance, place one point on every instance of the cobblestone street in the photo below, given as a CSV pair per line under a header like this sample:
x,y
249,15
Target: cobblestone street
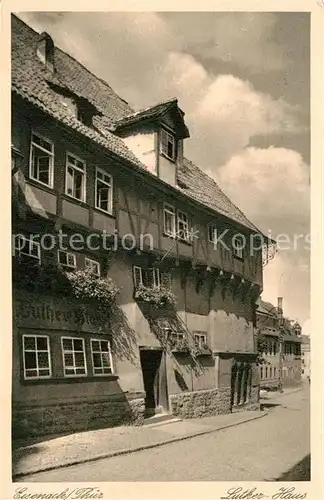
x,y
262,450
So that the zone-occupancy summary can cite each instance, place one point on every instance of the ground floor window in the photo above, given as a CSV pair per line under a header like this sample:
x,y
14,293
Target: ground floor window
x,y
56,355
101,357
73,351
36,356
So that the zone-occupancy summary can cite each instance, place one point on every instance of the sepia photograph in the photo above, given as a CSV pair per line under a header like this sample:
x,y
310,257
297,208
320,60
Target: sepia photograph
x,y
161,324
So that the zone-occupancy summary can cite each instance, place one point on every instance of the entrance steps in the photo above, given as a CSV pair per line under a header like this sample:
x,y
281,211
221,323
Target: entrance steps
x,y
160,419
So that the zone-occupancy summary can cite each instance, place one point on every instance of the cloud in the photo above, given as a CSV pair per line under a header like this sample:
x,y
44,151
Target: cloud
x,y
273,186
247,39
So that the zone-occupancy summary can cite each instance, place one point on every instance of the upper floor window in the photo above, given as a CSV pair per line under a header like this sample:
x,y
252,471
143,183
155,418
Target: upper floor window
x,y
183,226
41,160
75,177
149,277
238,246
36,356
67,259
200,339
169,220
168,145
28,248
93,265
104,191
212,234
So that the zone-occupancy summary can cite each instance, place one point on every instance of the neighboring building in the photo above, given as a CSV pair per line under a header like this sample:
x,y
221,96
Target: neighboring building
x,y
268,324
305,354
83,162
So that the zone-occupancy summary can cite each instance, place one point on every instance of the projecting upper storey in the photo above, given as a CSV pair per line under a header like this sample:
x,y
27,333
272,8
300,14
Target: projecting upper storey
x,y
53,81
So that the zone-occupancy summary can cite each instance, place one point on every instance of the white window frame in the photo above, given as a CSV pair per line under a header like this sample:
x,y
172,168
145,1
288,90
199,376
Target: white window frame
x,y
202,339
155,273
237,251
212,229
100,352
49,153
48,351
30,242
69,375
168,137
83,171
109,185
170,210
176,336
68,254
88,261
184,219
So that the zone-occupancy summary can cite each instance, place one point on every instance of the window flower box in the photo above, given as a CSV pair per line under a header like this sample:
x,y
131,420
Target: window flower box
x,y
180,346
156,296
203,350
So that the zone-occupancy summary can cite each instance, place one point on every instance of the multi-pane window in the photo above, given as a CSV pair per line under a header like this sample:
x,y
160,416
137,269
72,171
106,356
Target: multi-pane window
x,y
101,357
200,339
93,266
41,160
238,246
28,249
169,220
104,191
146,277
67,259
168,145
183,226
176,337
36,356
212,234
75,177
74,361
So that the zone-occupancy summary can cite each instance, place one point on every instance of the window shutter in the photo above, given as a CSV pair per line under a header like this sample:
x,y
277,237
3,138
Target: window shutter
x,y
166,281
164,142
137,276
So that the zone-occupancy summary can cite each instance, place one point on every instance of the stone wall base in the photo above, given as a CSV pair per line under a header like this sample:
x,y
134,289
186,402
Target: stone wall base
x,y
201,403
78,416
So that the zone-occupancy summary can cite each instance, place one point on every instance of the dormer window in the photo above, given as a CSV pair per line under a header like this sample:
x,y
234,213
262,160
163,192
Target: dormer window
x,y
168,145
45,51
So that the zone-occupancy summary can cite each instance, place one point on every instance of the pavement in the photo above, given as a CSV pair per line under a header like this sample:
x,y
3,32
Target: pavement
x,y
89,446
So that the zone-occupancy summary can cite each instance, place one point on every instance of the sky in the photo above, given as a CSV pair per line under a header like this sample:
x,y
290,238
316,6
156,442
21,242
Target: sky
x,y
243,81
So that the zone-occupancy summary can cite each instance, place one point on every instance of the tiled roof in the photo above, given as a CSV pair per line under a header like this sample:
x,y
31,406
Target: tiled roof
x,y
147,113
267,308
202,188
30,81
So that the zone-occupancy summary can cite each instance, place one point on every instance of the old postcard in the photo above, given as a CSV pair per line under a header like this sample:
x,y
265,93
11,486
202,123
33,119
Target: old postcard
x,y
160,314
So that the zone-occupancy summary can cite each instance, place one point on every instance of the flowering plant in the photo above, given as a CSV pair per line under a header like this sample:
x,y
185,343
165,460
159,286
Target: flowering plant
x,y
87,285
158,296
180,345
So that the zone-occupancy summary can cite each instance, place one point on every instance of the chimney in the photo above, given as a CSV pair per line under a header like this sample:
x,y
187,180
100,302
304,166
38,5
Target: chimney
x,y
45,51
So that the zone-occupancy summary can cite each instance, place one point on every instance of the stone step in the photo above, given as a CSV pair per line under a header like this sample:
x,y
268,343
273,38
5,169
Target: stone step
x,y
161,419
